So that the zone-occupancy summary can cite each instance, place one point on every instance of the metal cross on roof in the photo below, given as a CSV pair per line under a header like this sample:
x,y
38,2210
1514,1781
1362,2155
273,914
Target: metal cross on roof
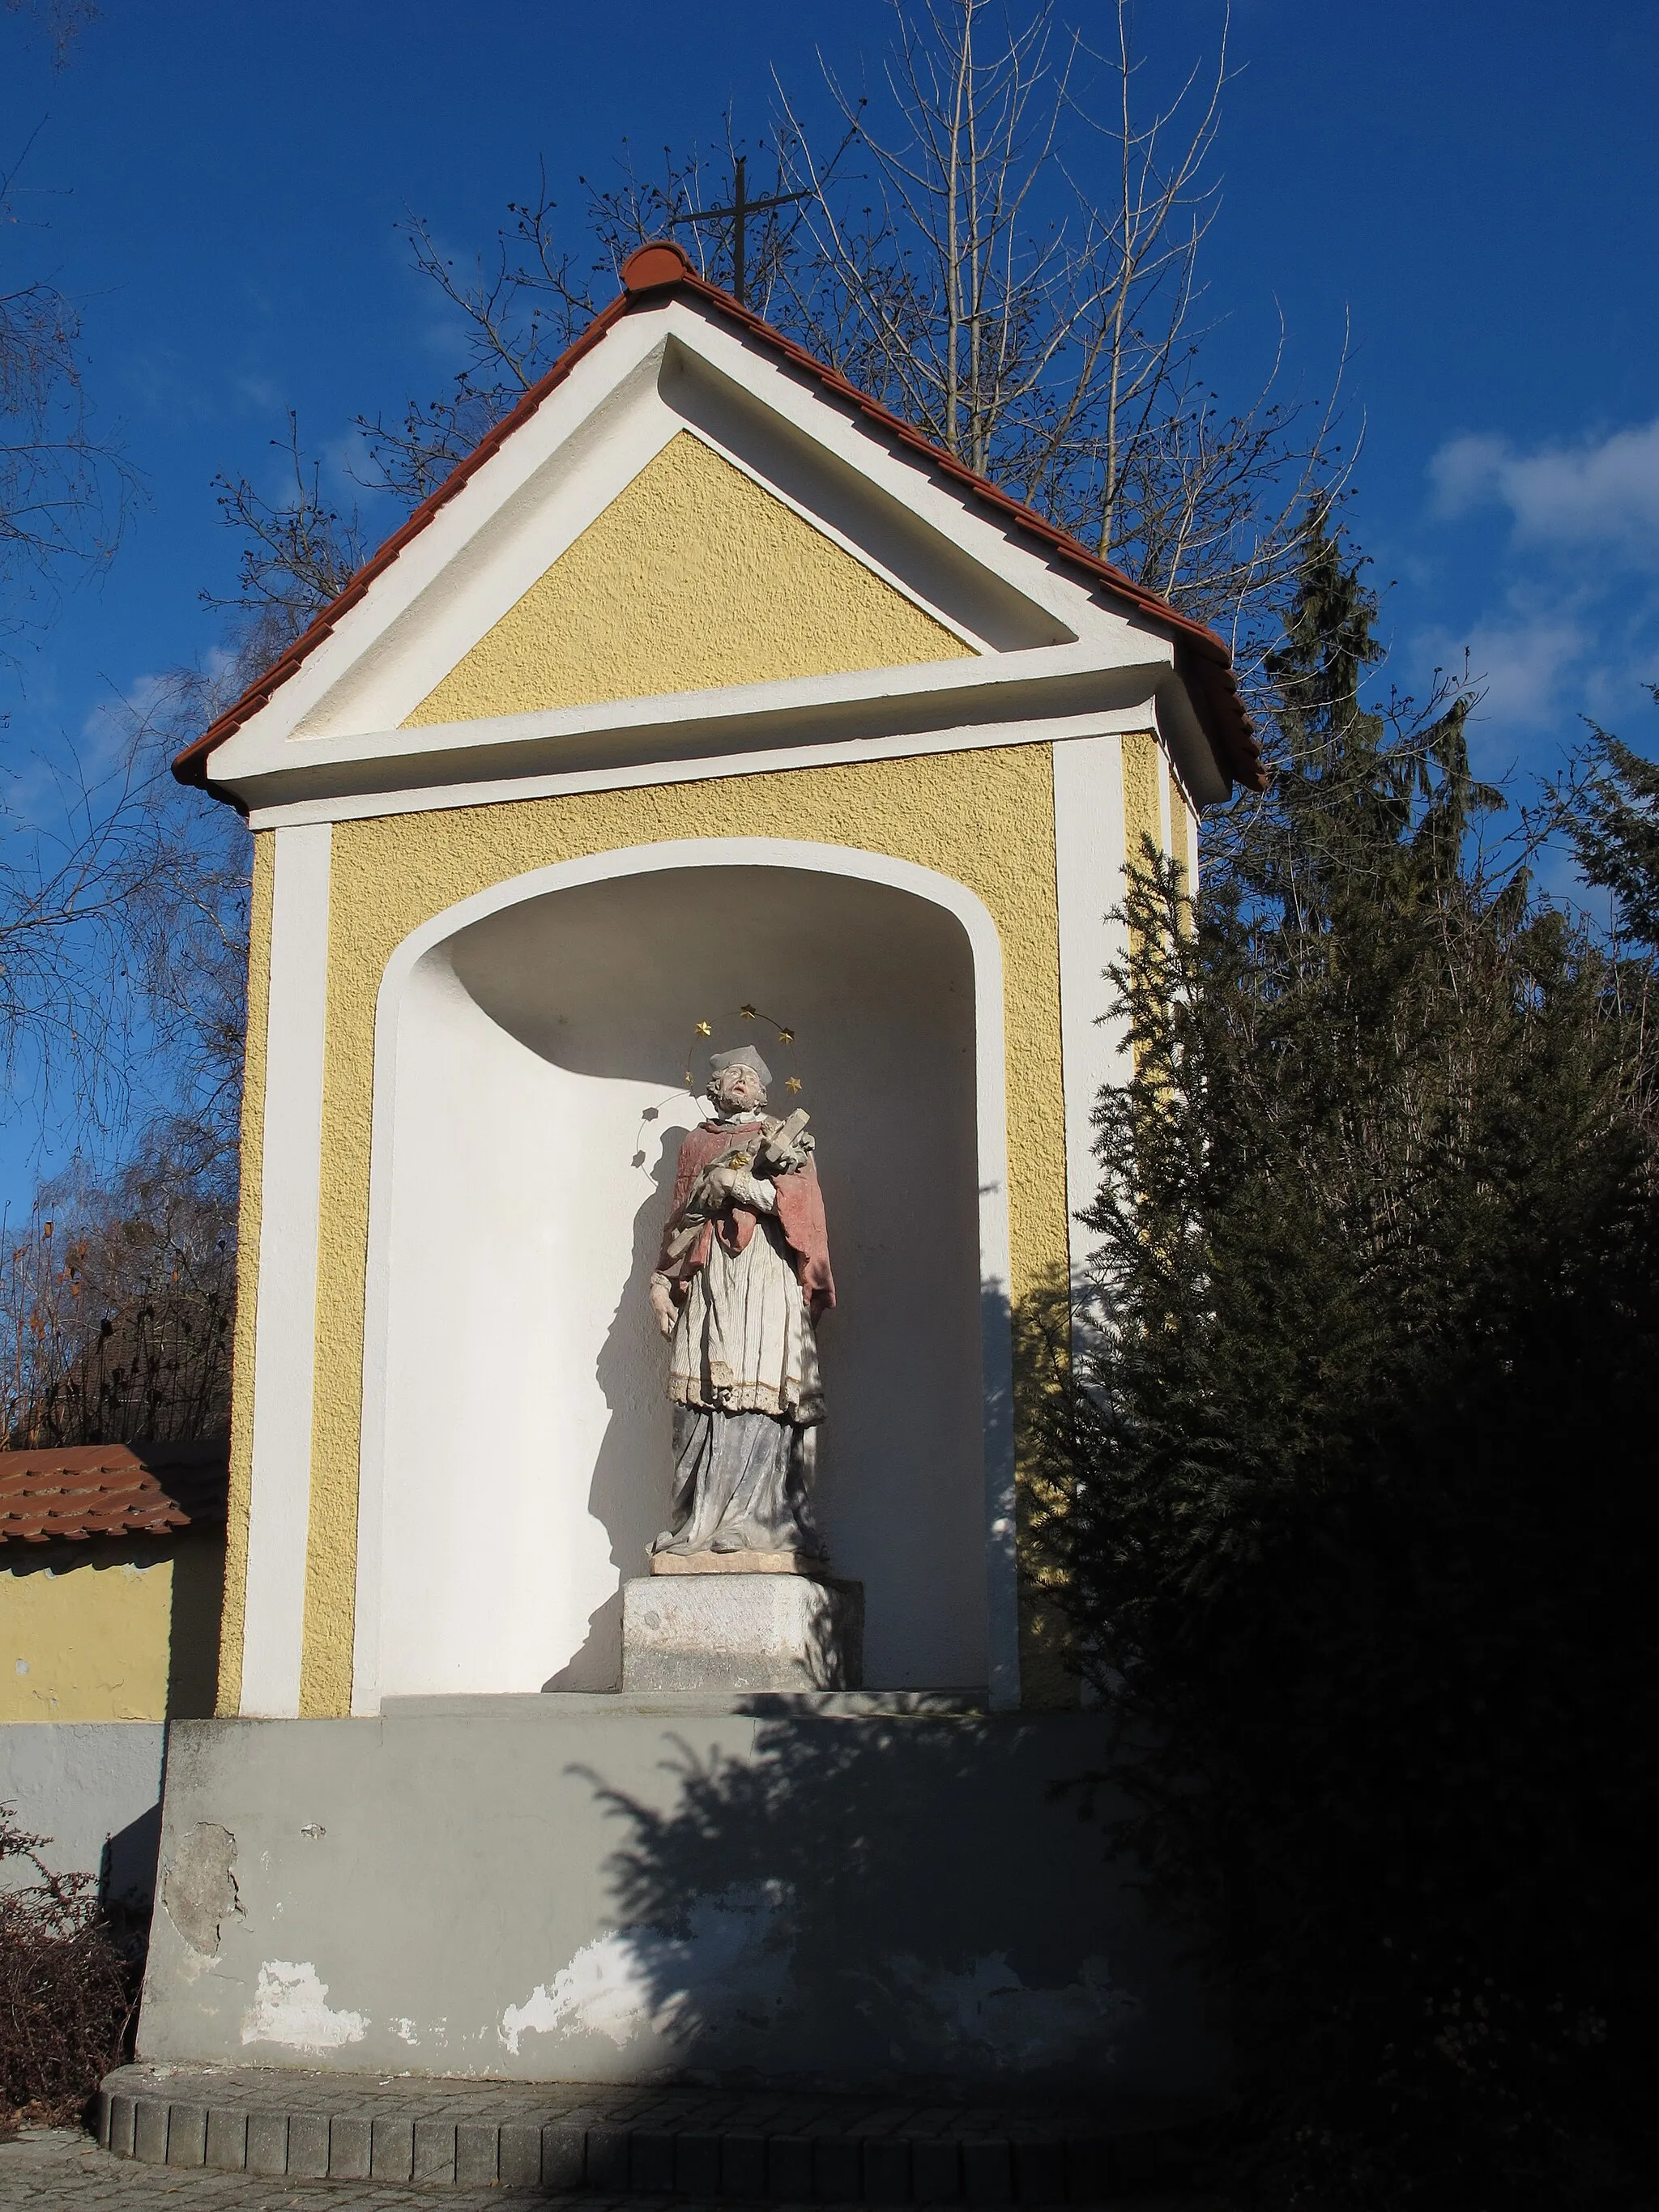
x,y
737,215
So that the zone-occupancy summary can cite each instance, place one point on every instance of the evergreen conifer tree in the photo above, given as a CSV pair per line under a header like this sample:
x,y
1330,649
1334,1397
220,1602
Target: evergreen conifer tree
x,y
1613,820
1362,1464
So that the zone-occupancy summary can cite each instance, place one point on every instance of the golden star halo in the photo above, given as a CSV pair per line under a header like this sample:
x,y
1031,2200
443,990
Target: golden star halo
x,y
748,1013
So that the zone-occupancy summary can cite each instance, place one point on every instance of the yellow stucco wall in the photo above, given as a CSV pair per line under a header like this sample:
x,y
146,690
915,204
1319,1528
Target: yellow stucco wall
x,y
1183,832
984,818
248,1278
123,1630
1143,773
693,577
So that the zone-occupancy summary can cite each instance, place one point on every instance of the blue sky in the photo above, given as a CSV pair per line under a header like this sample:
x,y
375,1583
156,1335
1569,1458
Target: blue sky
x,y
1474,188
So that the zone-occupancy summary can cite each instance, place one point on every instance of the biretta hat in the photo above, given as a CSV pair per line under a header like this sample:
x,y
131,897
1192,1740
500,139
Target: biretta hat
x,y
742,1055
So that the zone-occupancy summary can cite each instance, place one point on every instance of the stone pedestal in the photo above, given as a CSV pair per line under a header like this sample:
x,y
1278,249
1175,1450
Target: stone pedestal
x,y
736,1630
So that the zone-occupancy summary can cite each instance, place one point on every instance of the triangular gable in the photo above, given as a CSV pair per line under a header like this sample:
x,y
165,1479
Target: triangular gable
x,y
693,577
689,509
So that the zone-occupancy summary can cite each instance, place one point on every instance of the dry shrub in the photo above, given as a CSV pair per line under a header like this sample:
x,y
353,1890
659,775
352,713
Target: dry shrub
x,y
68,1991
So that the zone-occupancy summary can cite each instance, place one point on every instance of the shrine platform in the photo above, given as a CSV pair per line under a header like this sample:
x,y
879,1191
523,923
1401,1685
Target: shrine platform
x,y
758,2146
834,1892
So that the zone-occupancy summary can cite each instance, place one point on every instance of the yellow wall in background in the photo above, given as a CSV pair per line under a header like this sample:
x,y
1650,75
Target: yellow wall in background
x,y
123,1630
693,577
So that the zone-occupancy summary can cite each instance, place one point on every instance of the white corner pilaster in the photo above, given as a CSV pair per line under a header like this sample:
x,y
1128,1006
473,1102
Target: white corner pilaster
x,y
1089,861
285,1319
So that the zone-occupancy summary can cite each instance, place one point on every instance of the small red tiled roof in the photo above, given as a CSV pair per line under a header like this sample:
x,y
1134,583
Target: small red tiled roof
x,y
111,1490
1202,657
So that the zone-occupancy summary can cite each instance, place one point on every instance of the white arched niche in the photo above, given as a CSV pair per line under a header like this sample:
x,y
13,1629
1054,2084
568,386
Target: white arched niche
x,y
528,1108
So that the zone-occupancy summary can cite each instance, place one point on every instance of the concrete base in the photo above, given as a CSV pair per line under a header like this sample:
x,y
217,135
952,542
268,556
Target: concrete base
x,y
741,1631
817,1893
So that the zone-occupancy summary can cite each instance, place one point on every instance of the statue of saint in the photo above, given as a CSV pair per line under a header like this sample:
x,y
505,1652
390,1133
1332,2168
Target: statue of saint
x,y
742,1277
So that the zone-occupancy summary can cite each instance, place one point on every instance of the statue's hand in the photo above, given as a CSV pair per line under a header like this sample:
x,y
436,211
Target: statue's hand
x,y
721,1182
662,1305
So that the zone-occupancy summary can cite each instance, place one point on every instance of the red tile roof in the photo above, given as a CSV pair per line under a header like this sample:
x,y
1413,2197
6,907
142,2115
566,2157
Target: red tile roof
x,y
111,1490
1202,657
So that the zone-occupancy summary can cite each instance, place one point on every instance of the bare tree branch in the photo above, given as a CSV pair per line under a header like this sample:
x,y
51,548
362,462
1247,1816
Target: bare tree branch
x,y
297,553
1025,285
123,934
518,310
65,493
62,20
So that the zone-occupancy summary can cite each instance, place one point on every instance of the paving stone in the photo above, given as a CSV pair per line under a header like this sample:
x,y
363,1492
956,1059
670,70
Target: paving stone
x,y
1040,2172
520,2155
697,2165
623,2140
651,2162
988,2172
935,2171
187,2134
607,2160
476,2153
393,2157
307,2146
743,2165
789,2168
122,2114
434,2152
149,2131
227,2139
564,2155
350,2147
267,2142
886,2170
835,2169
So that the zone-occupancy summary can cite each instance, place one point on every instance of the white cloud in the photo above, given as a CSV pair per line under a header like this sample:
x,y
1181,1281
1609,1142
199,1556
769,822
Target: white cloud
x,y
1530,662
1602,492
260,391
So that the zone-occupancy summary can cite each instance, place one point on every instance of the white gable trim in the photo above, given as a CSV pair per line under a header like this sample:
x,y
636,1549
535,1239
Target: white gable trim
x,y
657,371
1141,716
804,713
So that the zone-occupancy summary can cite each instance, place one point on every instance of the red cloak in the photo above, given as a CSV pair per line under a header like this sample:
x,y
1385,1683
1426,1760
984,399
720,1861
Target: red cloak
x,y
800,1213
